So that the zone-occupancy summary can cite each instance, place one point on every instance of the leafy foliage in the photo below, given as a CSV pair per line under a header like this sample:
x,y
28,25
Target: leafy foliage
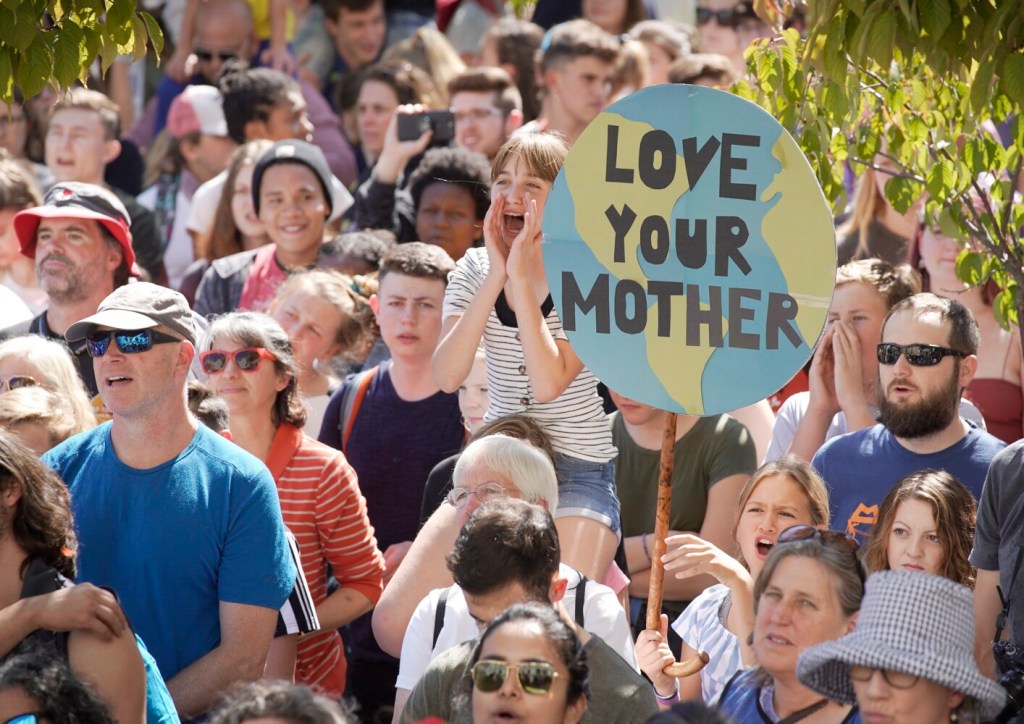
x,y
924,84
56,42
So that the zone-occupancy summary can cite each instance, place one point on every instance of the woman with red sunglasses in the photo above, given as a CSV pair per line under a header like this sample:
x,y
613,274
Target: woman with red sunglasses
x,y
250,365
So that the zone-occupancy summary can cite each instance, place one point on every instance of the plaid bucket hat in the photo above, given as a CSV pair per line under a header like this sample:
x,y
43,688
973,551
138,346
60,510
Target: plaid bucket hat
x,y
913,623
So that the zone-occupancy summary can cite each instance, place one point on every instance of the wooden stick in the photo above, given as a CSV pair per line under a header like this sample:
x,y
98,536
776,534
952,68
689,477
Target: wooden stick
x,y
657,585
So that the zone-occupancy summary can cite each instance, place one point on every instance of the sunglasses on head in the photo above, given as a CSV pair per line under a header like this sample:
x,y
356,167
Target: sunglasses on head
x,y
488,491
919,355
247,360
895,679
207,55
128,341
830,538
16,382
535,677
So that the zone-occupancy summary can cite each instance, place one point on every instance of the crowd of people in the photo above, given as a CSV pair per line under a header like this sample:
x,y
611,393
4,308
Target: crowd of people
x,y
291,431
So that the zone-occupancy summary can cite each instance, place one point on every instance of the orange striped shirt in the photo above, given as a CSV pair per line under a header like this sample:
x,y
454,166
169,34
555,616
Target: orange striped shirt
x,y
323,507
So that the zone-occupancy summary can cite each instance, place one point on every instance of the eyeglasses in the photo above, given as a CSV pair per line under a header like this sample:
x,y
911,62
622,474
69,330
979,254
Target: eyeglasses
x,y
129,342
479,115
895,679
16,382
535,677
919,355
831,538
247,360
488,491
207,55
728,17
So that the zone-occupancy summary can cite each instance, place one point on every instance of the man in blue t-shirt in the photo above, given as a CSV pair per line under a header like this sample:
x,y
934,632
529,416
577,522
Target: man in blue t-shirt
x,y
927,356
182,524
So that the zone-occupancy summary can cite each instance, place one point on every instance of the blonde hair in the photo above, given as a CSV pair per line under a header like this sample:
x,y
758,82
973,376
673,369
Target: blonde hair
x,y
40,406
543,154
431,51
867,205
54,364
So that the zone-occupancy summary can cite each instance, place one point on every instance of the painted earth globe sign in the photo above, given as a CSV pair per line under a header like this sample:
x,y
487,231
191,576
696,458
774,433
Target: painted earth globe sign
x,y
689,250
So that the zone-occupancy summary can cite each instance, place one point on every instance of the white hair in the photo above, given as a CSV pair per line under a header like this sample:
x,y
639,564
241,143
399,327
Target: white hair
x,y
529,469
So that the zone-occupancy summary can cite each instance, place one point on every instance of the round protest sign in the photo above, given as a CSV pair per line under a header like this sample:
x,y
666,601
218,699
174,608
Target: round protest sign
x,y
689,250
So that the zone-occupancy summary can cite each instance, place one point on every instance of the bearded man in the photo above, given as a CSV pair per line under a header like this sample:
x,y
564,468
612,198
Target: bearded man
x,y
927,356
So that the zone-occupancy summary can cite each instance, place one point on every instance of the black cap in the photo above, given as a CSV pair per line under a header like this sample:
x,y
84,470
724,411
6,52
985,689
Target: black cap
x,y
299,152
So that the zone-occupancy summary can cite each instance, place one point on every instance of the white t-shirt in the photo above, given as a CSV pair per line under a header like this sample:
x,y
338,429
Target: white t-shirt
x,y
788,419
603,616
180,251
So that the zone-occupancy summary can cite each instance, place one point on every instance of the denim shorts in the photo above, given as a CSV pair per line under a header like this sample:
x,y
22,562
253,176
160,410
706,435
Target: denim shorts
x,y
587,489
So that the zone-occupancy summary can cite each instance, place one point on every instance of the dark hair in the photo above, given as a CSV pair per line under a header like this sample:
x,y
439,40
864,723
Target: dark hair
x,y
849,578
60,696
506,541
123,272
255,329
576,39
464,169
894,283
954,509
250,94
670,37
963,333
85,99
710,67
489,80
416,259
635,13
561,636
370,245
521,427
18,189
208,408
410,84
41,523
333,8
277,699
516,43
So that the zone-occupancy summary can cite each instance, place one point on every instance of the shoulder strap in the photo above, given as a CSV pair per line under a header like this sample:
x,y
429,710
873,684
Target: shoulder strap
x,y
581,592
442,604
1005,599
352,400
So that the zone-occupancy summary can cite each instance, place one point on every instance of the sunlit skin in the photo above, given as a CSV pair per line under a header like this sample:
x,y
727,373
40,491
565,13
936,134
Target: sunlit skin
x,y
857,310
250,392
221,32
289,119
312,325
924,703
473,398
522,641
778,502
359,34
609,15
512,191
798,609
77,148
914,542
242,210
376,103
472,478
660,61
408,312
15,701
73,260
479,125
139,386
293,210
582,87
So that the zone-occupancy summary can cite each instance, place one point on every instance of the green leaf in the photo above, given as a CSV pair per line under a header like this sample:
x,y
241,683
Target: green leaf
x,y
156,36
881,38
140,37
6,76
90,48
120,25
935,17
6,25
67,56
972,267
981,87
940,179
36,67
1012,78
26,29
12,5
902,193
1004,307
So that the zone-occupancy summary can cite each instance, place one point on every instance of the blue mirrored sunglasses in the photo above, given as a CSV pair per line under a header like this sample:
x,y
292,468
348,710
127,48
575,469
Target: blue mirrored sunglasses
x,y
128,341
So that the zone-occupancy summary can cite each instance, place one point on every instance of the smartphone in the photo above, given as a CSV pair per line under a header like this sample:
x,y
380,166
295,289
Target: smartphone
x,y
413,125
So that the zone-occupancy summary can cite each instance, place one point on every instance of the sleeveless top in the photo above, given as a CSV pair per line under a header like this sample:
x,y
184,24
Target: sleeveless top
x,y
1001,405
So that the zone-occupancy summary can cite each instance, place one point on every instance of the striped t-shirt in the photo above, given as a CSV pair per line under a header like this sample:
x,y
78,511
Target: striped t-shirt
x,y
575,420
322,505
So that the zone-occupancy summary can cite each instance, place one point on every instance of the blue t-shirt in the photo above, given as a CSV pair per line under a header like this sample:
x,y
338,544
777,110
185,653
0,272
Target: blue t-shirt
x,y
860,468
747,703
177,539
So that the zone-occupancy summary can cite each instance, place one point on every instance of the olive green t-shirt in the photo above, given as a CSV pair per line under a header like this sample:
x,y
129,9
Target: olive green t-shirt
x,y
716,448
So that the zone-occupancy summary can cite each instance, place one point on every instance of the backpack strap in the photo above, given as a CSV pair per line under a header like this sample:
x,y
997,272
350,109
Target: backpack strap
x,y
352,400
581,592
442,604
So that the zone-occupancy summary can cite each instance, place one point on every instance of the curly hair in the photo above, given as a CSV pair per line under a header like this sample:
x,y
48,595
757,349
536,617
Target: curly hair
x,y
954,509
457,166
41,523
279,700
60,697
255,329
250,94
555,630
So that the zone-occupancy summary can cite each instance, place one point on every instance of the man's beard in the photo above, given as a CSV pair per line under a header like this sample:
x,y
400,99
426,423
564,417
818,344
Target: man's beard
x,y
921,419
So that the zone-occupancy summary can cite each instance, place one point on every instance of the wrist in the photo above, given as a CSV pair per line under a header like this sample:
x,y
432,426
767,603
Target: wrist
x,y
643,544
670,698
387,169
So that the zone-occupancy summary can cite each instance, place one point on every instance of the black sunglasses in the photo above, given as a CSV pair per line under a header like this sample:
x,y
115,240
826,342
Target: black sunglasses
x,y
207,55
895,679
536,677
831,538
919,355
129,342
